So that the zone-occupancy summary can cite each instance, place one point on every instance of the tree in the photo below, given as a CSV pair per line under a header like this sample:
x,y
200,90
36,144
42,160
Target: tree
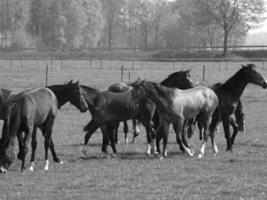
x,y
229,14
112,9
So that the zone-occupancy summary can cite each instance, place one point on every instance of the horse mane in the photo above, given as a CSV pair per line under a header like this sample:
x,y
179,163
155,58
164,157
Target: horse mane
x,y
162,90
233,80
171,76
89,89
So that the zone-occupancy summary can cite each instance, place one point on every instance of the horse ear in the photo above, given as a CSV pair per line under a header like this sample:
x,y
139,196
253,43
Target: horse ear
x,y
70,82
77,83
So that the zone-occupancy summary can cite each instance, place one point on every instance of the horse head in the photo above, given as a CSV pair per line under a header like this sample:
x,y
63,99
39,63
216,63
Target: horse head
x,y
76,96
251,75
180,79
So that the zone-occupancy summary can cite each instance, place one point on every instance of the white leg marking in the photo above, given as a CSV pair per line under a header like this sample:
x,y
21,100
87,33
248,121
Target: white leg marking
x,y
148,149
188,151
46,165
165,154
84,150
215,149
3,170
127,140
202,150
31,167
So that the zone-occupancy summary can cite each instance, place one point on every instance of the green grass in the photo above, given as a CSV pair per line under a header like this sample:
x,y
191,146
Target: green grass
x,y
132,175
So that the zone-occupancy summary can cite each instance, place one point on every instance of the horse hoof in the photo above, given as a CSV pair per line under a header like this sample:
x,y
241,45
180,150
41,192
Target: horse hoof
x,y
3,170
31,168
161,157
200,156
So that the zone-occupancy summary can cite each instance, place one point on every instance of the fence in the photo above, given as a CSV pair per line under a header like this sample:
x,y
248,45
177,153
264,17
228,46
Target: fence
x,y
23,73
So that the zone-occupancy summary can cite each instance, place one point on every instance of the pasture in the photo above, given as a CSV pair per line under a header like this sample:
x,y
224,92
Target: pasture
x,y
241,174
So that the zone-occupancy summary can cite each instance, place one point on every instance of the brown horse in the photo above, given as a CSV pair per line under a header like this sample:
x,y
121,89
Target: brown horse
x,y
118,88
229,94
35,108
108,107
175,106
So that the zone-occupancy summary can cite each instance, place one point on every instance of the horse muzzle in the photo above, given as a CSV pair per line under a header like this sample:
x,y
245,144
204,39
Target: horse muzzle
x,y
264,85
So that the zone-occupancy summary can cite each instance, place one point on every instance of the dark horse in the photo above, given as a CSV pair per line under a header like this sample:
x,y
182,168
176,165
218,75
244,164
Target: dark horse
x,y
118,88
182,80
107,108
175,106
179,79
229,94
32,109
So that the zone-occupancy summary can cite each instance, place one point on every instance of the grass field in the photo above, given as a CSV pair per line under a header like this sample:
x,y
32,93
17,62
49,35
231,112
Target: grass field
x,y
241,174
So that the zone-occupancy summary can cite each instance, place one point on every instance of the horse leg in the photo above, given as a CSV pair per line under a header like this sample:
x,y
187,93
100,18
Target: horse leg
x,y
226,127
115,130
146,120
26,146
125,129
34,146
48,133
186,125
235,128
108,137
21,144
92,126
136,129
177,126
159,136
206,119
165,134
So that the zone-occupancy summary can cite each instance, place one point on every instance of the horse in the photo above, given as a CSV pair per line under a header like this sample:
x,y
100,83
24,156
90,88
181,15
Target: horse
x,y
109,107
175,105
229,94
180,79
32,109
238,124
122,87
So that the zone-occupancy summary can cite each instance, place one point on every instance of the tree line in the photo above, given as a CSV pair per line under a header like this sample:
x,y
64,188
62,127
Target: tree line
x,y
140,24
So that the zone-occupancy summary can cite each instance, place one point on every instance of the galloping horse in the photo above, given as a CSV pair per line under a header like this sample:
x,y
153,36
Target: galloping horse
x,y
108,107
122,87
175,106
229,94
32,109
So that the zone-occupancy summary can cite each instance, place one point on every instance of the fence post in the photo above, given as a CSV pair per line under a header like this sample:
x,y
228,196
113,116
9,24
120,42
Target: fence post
x,y
132,64
129,77
21,63
46,75
11,63
100,63
204,73
90,62
121,73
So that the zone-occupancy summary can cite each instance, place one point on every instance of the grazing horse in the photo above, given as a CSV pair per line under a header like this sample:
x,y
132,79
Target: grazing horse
x,y
32,109
108,107
229,94
122,87
175,106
